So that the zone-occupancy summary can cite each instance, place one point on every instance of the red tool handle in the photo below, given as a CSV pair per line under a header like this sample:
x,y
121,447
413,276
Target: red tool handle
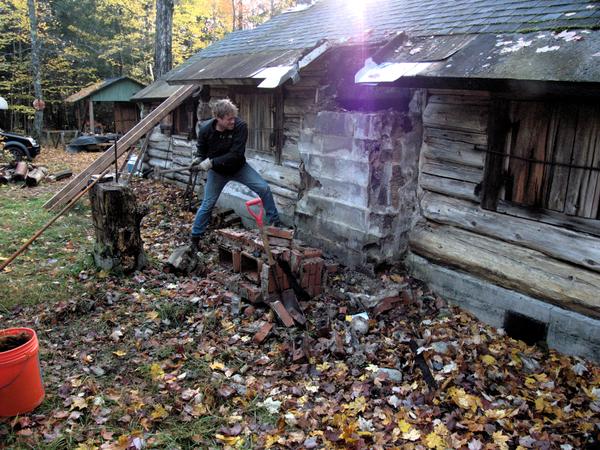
x,y
257,216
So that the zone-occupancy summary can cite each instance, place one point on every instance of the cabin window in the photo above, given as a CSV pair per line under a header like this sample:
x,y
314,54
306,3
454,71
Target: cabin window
x,y
545,155
259,112
184,119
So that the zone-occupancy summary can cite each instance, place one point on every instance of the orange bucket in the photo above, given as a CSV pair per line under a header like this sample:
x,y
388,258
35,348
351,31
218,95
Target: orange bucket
x,y
21,388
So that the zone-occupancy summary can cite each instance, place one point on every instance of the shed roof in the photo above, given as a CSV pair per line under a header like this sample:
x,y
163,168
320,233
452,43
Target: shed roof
x,y
119,89
450,26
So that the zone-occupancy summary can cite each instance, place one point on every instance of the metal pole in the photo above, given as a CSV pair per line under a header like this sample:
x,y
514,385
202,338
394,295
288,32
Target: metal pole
x,y
116,163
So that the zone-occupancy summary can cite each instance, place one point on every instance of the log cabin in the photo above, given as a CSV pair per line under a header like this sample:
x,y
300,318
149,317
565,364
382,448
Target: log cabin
x,y
459,138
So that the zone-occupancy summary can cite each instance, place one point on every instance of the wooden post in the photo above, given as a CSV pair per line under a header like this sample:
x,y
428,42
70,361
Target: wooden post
x,y
91,116
116,218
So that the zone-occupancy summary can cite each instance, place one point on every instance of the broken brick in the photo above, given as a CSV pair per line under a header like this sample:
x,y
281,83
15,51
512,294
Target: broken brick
x,y
310,252
386,304
232,235
278,242
332,267
282,313
262,333
250,292
250,267
282,233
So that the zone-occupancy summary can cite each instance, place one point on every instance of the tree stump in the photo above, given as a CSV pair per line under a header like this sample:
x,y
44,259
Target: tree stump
x,y
116,217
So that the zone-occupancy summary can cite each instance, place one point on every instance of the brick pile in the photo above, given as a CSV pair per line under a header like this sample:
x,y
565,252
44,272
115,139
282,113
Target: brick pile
x,y
242,252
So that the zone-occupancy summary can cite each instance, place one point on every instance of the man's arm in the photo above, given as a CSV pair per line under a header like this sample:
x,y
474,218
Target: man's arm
x,y
235,155
202,144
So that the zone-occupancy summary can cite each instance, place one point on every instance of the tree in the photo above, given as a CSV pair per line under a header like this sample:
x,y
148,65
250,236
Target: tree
x,y
36,70
163,57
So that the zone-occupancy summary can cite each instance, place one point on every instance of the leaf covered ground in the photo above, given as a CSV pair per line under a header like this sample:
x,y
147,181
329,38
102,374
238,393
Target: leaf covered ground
x,y
158,361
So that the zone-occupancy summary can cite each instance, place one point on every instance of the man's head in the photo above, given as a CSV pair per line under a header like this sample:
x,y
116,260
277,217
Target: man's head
x,y
225,112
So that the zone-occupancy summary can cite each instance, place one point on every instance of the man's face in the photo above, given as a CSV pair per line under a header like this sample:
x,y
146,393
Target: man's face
x,y
226,122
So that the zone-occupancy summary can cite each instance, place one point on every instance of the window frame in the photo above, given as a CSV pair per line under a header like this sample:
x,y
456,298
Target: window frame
x,y
495,175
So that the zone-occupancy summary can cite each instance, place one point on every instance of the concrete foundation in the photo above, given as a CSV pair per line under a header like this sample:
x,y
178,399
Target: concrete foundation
x,y
568,332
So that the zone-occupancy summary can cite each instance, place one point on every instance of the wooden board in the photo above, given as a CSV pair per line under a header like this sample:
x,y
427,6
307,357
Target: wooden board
x,y
79,183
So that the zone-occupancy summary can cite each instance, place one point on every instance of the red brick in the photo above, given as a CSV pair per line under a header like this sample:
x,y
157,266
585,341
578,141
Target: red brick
x,y
281,254
386,304
282,313
232,235
278,242
262,334
296,260
250,267
332,267
310,252
268,282
283,233
236,257
251,293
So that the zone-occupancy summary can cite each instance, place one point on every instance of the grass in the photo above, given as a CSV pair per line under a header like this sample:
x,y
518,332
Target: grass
x,y
49,268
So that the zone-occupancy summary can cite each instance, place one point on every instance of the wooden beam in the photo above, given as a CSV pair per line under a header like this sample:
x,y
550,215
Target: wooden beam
x,y
570,246
130,138
493,173
510,266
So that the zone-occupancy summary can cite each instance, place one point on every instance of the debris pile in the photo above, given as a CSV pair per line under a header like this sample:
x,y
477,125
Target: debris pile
x,y
30,174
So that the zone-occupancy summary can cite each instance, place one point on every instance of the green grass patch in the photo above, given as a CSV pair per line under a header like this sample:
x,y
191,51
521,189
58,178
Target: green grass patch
x,y
48,269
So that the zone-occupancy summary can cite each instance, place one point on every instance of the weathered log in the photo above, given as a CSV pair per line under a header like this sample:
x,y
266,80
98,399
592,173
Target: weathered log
x,y
35,176
510,266
116,218
62,175
454,188
451,170
20,171
456,117
570,246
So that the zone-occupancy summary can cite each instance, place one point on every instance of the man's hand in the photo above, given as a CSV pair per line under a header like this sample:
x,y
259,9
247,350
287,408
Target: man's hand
x,y
206,164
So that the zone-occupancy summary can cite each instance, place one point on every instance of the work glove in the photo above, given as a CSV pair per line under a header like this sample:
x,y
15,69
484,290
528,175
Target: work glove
x,y
196,161
206,164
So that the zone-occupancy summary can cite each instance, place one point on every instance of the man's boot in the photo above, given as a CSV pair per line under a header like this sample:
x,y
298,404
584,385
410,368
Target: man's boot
x,y
194,243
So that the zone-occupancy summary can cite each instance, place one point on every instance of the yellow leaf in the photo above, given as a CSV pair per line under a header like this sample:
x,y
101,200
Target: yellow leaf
x,y
530,382
432,440
198,410
540,404
229,440
156,372
323,367
404,426
464,400
357,406
500,440
159,412
270,441
120,353
488,360
412,435
79,402
217,365
348,433
152,315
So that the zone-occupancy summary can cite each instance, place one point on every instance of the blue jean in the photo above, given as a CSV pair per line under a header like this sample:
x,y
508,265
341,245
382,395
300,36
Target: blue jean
x,y
215,182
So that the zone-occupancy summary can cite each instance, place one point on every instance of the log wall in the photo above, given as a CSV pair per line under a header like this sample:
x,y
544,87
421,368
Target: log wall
x,y
531,255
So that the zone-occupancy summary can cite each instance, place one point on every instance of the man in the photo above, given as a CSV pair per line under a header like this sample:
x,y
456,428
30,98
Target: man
x,y
221,148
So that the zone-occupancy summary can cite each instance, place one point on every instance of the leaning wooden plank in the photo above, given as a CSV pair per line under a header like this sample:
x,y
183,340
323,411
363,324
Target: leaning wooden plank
x,y
144,126
570,246
510,266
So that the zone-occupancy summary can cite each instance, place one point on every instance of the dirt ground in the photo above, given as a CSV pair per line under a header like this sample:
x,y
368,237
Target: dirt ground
x,y
155,360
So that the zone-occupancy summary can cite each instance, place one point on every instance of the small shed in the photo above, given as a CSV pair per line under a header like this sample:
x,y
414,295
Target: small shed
x,y
116,90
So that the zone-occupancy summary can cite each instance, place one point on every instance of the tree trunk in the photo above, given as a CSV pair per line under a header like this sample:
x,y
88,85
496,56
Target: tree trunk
x,y
116,218
163,58
233,17
36,70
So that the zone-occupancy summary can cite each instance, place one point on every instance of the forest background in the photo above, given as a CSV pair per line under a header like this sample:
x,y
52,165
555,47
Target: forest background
x,y
83,41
